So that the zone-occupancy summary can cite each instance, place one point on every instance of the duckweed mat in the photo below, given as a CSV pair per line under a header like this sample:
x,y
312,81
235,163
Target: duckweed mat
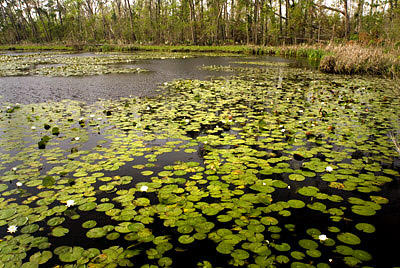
x,y
270,168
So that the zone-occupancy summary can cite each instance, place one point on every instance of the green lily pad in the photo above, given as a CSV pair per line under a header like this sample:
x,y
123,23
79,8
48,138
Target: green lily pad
x,y
308,244
89,224
186,239
71,254
365,227
349,238
59,231
362,255
41,257
96,232
7,213
296,177
296,203
55,221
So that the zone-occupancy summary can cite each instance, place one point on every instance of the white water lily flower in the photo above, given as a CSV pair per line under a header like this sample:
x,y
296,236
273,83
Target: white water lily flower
x,y
14,169
12,229
329,169
19,184
322,237
76,138
283,130
144,188
99,118
187,120
92,115
280,126
288,187
80,119
264,183
33,127
330,260
70,203
301,111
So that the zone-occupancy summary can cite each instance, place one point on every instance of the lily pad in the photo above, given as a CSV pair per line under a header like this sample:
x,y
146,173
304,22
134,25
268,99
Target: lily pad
x,y
349,238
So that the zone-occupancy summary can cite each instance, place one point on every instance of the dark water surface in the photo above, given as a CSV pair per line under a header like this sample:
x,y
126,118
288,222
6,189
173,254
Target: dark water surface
x,y
89,89
36,89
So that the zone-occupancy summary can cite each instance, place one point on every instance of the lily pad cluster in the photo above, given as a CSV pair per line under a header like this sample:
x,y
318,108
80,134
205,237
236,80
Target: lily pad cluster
x,y
237,167
64,64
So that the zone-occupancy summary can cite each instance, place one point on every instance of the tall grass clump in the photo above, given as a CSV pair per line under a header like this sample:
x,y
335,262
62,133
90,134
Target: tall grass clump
x,y
355,59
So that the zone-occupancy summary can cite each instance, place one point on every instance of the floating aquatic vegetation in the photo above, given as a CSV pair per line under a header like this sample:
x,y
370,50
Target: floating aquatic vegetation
x,y
269,64
62,64
84,70
205,167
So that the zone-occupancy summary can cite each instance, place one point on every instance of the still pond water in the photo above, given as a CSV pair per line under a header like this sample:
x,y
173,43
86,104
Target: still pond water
x,y
177,160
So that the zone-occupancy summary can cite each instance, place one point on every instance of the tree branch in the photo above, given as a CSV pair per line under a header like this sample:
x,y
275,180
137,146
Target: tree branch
x,y
330,8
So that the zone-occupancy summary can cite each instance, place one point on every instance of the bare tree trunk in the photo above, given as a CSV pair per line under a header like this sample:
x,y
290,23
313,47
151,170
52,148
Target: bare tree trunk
x,y
128,4
280,19
255,22
346,19
39,13
192,21
287,30
31,21
359,15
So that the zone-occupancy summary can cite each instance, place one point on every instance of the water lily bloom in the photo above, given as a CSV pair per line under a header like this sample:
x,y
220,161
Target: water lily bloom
x,y
288,187
76,138
14,169
70,203
33,127
80,119
92,115
144,188
12,229
283,130
329,168
322,237
19,184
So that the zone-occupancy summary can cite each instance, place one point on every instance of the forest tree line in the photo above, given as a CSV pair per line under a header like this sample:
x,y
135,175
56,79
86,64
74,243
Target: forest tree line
x,y
199,22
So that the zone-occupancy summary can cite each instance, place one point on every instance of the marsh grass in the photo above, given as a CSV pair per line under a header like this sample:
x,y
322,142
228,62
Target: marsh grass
x,y
35,47
355,59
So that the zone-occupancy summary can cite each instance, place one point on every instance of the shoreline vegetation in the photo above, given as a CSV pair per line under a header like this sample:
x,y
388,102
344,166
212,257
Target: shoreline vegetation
x,y
349,58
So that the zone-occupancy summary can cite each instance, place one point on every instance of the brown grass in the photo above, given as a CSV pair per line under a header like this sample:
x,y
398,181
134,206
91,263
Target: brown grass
x,y
356,59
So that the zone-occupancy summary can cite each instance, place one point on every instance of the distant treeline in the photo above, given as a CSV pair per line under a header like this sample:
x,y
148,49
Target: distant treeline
x,y
198,22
